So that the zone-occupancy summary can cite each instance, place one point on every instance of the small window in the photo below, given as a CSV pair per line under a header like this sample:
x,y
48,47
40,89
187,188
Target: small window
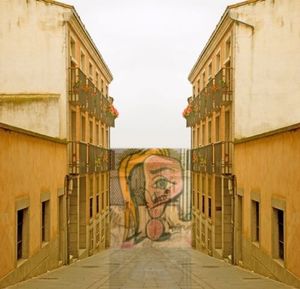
x,y
203,134
91,207
228,48
278,234
22,234
97,80
217,128
209,207
209,132
255,221
91,132
210,70
45,226
90,70
97,134
218,62
97,203
72,48
203,80
82,61
83,128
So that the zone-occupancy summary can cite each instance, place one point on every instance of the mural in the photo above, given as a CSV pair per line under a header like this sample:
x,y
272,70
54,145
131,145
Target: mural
x,y
150,199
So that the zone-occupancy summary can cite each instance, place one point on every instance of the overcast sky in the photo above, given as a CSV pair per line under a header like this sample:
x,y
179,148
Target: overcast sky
x,y
150,47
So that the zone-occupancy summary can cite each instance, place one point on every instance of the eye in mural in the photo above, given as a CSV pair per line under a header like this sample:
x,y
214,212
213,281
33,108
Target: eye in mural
x,y
147,197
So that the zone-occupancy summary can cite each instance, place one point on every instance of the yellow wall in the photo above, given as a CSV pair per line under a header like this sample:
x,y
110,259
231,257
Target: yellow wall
x,y
269,167
30,166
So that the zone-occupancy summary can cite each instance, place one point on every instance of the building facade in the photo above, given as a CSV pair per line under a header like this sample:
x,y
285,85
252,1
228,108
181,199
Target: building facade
x,y
55,83
33,204
245,127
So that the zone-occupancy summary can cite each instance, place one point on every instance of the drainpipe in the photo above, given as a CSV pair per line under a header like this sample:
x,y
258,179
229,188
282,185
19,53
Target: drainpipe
x,y
232,192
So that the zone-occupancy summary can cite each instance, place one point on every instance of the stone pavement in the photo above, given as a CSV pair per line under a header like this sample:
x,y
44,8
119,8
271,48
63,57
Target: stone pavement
x,y
152,268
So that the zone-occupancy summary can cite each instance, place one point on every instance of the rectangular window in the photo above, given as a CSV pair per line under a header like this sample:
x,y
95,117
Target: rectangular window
x,y
217,128
203,134
97,134
91,186
210,71
97,204
209,132
22,234
198,136
218,62
203,204
72,46
83,128
82,61
278,234
91,207
255,221
91,132
203,80
228,48
45,226
209,207
90,71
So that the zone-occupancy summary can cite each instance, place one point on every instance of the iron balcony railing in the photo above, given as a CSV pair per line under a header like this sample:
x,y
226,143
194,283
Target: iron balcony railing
x,y
213,158
222,157
87,158
223,87
84,93
202,159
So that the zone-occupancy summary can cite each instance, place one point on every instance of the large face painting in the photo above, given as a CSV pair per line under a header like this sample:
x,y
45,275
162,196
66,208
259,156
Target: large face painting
x,y
150,198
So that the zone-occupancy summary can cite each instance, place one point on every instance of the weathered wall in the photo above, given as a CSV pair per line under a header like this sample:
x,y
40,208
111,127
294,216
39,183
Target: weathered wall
x,y
33,62
150,201
266,72
31,168
268,169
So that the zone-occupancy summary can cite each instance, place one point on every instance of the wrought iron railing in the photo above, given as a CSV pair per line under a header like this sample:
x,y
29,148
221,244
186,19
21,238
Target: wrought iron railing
x,y
87,158
83,92
223,87
213,158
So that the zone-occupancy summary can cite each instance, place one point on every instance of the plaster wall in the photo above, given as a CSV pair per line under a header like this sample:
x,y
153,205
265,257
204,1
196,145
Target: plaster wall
x,y
31,168
268,168
266,72
33,61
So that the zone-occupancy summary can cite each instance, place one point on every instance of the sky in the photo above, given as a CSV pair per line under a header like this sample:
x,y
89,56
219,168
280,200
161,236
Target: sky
x,y
150,46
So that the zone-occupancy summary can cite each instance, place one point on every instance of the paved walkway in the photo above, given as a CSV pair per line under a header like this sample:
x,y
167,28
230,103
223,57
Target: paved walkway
x,y
152,268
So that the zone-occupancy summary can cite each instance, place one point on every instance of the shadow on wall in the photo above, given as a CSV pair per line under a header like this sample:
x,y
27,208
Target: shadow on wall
x,y
150,198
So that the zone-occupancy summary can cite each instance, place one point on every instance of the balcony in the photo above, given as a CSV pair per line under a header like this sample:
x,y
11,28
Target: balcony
x,y
99,159
213,158
86,158
222,157
202,159
85,94
223,87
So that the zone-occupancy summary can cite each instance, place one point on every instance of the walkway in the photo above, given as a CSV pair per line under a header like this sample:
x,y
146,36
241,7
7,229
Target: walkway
x,y
166,268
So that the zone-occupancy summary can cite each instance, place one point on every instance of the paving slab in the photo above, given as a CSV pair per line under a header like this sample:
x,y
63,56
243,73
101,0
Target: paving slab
x,y
151,268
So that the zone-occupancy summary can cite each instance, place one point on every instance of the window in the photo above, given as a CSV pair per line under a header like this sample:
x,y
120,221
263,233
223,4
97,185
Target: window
x,y
203,79
22,233
209,132
91,207
102,136
97,80
45,226
278,234
72,48
203,134
217,128
82,61
255,221
97,134
83,128
90,70
194,138
218,62
91,131
97,194
209,207
227,48
210,70
203,194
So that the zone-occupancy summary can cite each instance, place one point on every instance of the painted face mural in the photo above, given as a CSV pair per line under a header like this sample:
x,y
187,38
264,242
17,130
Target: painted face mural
x,y
147,196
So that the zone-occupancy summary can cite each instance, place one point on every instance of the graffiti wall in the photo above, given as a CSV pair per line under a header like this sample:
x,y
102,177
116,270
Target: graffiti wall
x,y
150,198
